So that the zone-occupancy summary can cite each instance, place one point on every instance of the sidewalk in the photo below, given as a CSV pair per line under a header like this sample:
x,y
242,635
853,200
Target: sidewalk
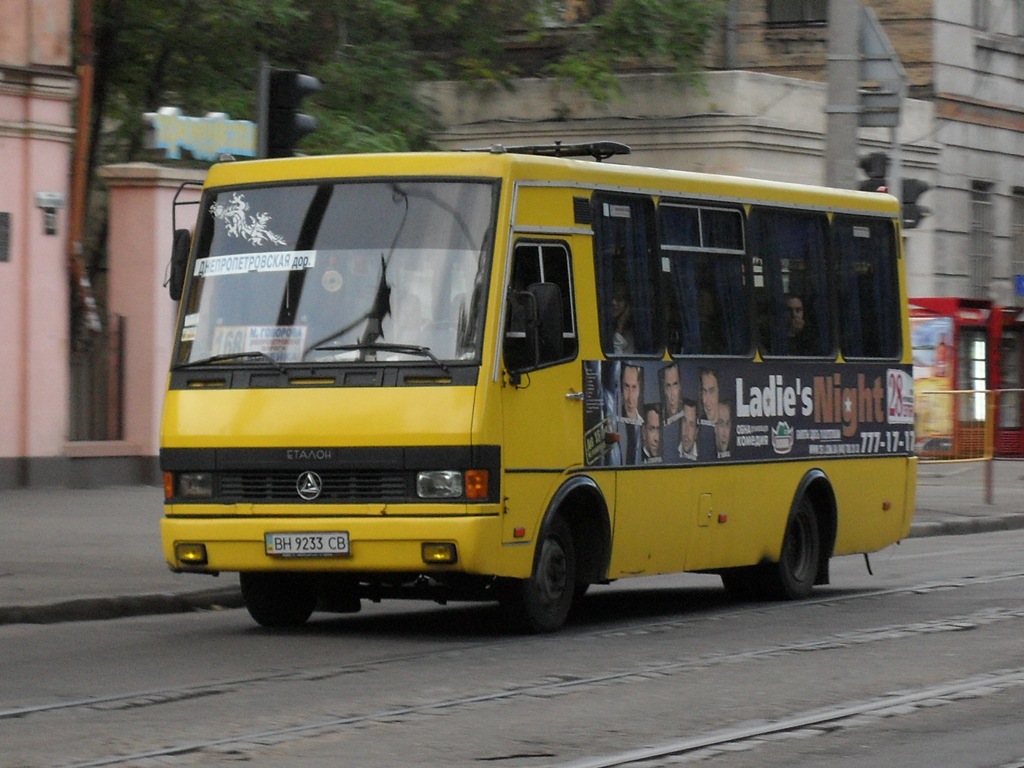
x,y
68,554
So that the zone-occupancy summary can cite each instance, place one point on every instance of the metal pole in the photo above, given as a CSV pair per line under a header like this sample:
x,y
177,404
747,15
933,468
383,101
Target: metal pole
x,y
843,109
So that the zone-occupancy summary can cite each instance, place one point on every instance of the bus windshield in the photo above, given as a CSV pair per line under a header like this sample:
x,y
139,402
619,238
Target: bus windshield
x,y
340,271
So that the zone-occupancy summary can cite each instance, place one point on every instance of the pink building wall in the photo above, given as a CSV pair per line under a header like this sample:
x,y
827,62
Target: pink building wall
x,y
139,241
37,89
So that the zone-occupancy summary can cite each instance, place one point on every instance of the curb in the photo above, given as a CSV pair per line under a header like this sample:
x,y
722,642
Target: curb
x,y
1011,522
125,606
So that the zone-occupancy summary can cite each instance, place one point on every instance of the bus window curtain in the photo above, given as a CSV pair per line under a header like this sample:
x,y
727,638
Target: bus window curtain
x,y
735,320
850,305
765,243
605,242
684,286
641,285
680,227
625,254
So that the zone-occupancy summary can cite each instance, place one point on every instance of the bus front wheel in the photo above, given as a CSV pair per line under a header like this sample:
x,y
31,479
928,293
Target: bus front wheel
x,y
278,600
541,602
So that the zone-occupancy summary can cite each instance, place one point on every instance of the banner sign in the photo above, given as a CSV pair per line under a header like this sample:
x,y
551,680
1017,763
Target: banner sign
x,y
204,138
681,412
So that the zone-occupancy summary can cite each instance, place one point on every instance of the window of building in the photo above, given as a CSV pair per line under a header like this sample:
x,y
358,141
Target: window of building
x,y
1017,238
981,239
797,11
791,286
1017,18
5,236
628,291
869,295
703,255
979,14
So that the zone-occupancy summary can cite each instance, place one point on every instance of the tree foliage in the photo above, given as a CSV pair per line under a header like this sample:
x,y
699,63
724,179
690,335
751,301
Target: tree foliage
x,y
370,55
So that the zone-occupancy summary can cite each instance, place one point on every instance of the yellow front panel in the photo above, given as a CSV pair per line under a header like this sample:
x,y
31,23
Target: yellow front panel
x,y
329,416
383,543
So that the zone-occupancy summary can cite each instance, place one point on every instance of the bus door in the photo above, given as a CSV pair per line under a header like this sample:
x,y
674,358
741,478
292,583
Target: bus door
x,y
653,503
542,397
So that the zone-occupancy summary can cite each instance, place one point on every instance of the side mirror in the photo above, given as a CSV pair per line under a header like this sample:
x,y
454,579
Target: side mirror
x,y
179,261
534,335
547,321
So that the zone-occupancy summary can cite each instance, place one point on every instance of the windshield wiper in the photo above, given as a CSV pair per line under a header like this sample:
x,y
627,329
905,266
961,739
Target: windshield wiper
x,y
261,356
409,349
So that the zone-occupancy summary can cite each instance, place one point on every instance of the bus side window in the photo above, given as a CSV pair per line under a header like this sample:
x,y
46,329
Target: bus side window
x,y
792,296
702,250
628,285
869,296
539,269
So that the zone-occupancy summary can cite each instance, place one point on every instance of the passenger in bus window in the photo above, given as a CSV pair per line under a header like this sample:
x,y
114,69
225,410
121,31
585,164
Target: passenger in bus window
x,y
622,319
801,339
652,434
688,434
631,384
723,430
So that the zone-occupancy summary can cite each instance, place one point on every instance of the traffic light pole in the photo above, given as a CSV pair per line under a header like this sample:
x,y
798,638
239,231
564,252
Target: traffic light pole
x,y
843,110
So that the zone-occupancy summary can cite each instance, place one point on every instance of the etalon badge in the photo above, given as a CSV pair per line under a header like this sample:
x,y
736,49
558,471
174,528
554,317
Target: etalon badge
x,y
309,485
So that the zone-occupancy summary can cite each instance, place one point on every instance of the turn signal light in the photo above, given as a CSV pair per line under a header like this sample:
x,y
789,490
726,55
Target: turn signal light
x,y
476,483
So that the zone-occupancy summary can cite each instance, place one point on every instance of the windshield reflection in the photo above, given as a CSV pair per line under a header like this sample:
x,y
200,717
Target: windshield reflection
x,y
341,272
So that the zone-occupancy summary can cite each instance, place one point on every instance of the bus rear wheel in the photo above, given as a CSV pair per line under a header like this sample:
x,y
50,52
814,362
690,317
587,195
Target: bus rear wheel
x,y
793,576
278,600
542,602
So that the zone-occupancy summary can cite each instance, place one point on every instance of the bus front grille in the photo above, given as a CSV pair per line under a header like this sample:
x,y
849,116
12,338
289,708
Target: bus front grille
x,y
338,486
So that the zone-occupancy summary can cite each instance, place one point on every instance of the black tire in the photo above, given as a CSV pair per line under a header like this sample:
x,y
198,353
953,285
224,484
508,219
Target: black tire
x,y
747,583
542,602
793,577
278,600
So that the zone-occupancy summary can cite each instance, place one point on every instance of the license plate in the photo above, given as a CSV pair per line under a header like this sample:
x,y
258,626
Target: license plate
x,y
307,544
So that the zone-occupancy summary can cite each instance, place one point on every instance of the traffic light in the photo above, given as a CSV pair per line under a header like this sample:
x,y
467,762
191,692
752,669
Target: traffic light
x,y
875,167
281,124
912,211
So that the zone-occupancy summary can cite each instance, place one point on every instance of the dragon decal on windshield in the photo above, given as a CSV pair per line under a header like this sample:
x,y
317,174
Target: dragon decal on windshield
x,y
239,224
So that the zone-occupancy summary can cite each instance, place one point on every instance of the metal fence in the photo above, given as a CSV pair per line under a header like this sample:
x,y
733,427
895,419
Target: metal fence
x,y
968,424
97,386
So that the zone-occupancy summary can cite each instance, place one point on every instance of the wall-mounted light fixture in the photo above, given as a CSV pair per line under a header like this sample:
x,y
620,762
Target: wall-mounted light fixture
x,y
50,203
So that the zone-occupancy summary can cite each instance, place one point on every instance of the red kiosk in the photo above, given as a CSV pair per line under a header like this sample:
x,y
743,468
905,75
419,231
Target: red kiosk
x,y
971,346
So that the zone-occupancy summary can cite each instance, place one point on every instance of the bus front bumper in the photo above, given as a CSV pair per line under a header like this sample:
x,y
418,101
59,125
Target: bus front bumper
x,y
392,544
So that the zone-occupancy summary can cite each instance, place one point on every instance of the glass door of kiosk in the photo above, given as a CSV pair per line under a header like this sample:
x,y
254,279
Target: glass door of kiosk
x,y
1009,426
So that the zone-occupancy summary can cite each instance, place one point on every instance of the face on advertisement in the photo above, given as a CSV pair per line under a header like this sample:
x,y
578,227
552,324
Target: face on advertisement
x,y
689,430
630,391
652,431
723,426
671,390
709,393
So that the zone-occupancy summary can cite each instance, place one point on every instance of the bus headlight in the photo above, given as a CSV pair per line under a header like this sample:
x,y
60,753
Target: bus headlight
x,y
195,485
439,484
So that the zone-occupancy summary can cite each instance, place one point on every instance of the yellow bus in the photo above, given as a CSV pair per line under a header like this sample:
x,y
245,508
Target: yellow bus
x,y
512,373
